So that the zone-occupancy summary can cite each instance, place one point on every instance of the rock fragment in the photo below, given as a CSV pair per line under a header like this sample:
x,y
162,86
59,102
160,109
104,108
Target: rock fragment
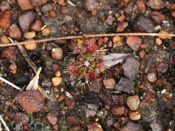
x,y
94,127
90,5
130,126
152,77
125,85
57,53
26,19
31,101
109,83
133,102
14,32
21,118
25,4
52,118
134,116
5,20
131,67
134,42
156,4
119,111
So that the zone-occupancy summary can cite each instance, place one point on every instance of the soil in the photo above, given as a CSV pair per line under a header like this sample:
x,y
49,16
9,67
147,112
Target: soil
x,y
109,83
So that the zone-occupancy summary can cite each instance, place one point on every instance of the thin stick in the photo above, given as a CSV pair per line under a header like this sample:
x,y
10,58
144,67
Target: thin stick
x,y
88,36
9,83
3,122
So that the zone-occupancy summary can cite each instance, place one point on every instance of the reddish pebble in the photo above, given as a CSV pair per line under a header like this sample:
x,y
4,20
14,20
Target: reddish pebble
x,y
73,120
5,20
70,103
118,111
141,6
21,118
134,42
37,25
173,14
36,2
31,101
57,53
61,2
52,118
122,26
9,53
25,4
4,5
142,54
109,83
15,32
94,127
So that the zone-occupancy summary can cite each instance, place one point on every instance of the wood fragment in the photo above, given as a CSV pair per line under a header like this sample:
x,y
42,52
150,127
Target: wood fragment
x,y
3,122
88,36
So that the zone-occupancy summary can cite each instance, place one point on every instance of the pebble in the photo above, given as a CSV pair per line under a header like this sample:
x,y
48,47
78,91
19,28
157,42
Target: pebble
x,y
141,7
142,54
163,35
91,5
46,31
64,10
4,39
21,118
121,26
9,53
158,41
4,6
25,4
56,81
57,53
52,14
94,127
58,73
125,85
119,111
72,120
31,45
13,68
5,20
26,19
30,35
37,25
133,102
52,118
46,8
38,3
31,101
152,77
156,4
61,2
157,16
143,24
109,83
131,126
134,42
130,67
134,116
14,32
162,67
70,103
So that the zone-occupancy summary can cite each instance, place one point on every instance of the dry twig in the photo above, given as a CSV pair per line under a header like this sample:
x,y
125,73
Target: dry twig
x,y
89,36
3,122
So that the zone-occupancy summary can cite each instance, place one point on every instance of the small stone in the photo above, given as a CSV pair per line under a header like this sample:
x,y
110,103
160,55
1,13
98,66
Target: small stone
x,y
4,39
162,67
31,101
31,45
4,6
91,5
60,99
64,10
46,8
26,19
131,67
157,16
52,118
163,35
158,41
14,32
52,14
70,103
37,25
125,85
36,3
133,102
25,4
9,53
46,31
109,83
30,35
121,26
142,54
94,127
134,116
61,2
55,127
156,4
134,42
141,7
110,20
21,118
152,77
72,120
143,24
119,111
130,126
57,53
56,81
58,73
5,20
13,68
